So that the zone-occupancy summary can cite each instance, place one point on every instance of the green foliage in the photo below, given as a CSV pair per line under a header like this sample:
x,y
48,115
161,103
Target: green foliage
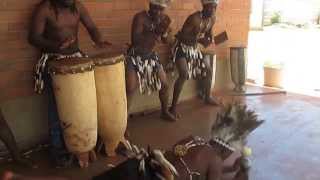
x,y
275,18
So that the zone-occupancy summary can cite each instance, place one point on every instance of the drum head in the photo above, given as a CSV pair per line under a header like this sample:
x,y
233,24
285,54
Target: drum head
x,y
70,66
109,57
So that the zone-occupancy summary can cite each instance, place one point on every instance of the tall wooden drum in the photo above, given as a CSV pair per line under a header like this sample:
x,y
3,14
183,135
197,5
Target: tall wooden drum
x,y
111,97
75,92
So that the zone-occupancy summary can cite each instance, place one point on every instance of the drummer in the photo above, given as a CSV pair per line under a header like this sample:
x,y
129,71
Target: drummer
x,y
54,31
143,69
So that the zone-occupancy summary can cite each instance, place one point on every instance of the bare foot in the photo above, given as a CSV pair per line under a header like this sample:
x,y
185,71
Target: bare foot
x,y
166,115
211,101
175,113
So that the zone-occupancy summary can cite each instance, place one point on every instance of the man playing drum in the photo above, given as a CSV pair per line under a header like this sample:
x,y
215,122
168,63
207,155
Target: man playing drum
x,y
54,30
187,54
143,67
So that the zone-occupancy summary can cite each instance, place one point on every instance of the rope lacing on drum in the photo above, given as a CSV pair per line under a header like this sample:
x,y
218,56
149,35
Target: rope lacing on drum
x,y
182,150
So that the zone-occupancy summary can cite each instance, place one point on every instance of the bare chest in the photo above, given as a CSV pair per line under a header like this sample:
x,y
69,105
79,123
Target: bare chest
x,y
204,25
64,19
148,25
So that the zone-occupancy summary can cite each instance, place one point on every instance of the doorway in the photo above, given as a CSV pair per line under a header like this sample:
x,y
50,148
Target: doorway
x,y
284,34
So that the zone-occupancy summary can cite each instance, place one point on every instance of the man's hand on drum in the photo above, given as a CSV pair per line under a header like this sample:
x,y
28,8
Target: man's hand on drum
x,y
67,42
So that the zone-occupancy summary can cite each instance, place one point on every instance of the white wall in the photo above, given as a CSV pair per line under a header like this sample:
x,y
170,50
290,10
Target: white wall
x,y
256,16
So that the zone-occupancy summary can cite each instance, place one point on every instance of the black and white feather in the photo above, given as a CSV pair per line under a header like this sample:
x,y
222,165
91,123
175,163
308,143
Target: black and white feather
x,y
233,125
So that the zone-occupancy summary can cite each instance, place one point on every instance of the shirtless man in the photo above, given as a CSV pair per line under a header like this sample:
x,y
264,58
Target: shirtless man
x,y
143,64
54,31
187,54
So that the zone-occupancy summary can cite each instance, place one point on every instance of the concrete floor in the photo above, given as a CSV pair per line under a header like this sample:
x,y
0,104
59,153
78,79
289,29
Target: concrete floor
x,y
286,147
